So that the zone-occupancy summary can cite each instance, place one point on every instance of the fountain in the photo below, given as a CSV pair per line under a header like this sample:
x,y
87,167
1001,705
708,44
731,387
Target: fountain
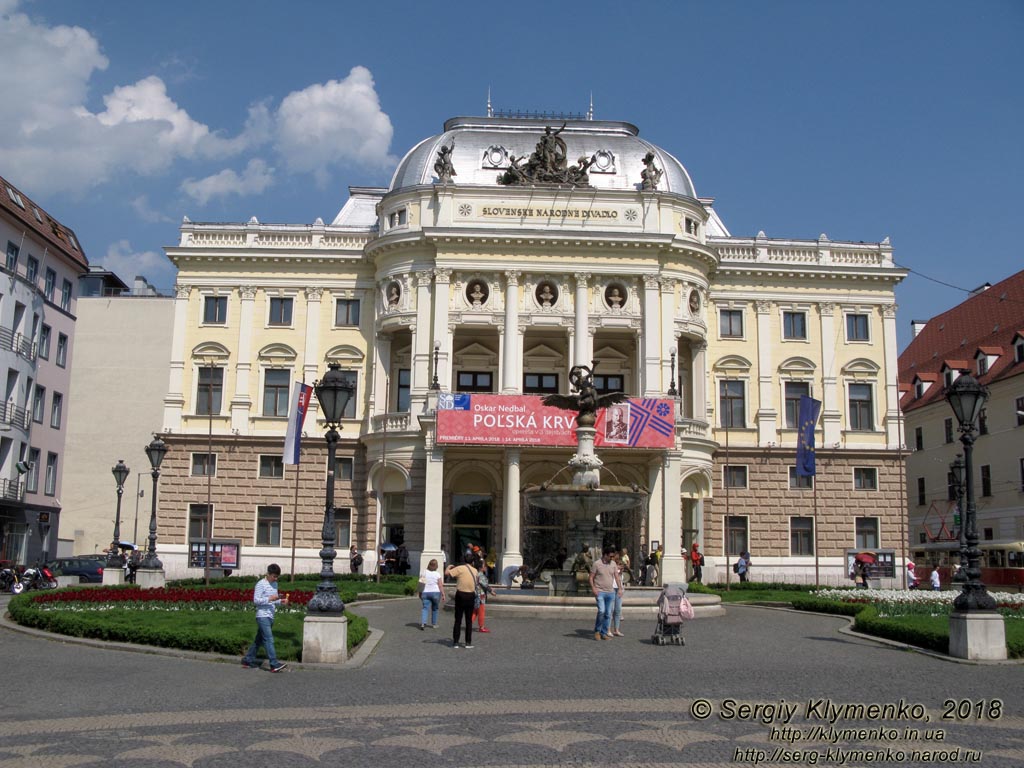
x,y
584,499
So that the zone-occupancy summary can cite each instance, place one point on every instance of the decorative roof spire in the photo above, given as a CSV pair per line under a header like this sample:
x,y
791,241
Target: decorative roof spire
x,y
490,109
590,112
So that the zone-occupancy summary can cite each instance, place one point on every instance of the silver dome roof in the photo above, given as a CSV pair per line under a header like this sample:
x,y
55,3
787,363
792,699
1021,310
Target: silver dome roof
x,y
483,145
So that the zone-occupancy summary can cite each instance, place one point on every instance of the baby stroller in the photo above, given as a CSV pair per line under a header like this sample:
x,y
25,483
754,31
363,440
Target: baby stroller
x,y
673,607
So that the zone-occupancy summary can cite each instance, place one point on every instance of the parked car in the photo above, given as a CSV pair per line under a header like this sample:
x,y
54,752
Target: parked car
x,y
88,568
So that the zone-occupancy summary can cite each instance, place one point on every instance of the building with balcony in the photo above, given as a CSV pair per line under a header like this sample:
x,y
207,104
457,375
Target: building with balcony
x,y
492,263
37,323
983,335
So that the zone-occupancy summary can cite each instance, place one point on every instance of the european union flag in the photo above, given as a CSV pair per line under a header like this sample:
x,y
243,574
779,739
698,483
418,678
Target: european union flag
x,y
808,417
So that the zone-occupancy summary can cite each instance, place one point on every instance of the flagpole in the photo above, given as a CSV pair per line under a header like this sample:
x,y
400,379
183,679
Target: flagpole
x,y
383,475
814,494
295,515
292,454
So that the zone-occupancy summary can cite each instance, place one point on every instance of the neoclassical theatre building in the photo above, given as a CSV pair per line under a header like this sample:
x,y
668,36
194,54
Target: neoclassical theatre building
x,y
505,251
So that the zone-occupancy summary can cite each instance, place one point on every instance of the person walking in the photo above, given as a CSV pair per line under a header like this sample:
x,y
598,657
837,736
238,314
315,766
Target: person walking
x,y
697,561
620,590
603,576
465,596
483,589
355,560
265,597
431,594
743,566
934,578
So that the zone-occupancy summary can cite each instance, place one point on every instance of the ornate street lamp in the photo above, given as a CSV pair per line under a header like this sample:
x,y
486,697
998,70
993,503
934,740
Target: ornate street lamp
x,y
956,469
435,384
120,472
155,451
672,391
967,398
333,392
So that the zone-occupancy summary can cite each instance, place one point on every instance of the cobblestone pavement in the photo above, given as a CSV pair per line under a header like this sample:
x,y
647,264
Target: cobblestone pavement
x,y
533,692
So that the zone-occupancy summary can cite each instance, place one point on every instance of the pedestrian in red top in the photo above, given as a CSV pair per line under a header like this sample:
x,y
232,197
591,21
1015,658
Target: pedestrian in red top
x,y
697,559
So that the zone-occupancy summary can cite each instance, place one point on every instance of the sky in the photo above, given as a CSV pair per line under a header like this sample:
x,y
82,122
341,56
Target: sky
x,y
860,120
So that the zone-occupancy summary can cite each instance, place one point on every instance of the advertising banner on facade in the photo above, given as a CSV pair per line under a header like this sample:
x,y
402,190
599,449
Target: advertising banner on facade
x,y
481,419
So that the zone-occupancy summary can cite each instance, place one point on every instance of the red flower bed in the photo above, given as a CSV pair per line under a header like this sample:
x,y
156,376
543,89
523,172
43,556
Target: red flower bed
x,y
240,597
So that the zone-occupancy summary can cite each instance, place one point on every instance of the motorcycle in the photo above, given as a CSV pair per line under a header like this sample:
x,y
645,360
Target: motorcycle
x,y
40,577
9,582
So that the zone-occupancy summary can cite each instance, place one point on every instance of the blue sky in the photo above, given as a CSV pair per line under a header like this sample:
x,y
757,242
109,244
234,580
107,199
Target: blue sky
x,y
857,119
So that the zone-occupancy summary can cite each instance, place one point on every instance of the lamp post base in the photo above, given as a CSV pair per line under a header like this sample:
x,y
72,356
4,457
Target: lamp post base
x,y
324,640
112,575
326,602
150,578
977,636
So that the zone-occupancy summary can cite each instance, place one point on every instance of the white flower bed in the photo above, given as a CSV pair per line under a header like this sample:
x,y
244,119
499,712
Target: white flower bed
x,y
911,596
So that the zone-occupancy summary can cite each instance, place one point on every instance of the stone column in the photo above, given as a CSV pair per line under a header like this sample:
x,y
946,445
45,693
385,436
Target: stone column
x,y
511,556
422,343
831,413
656,505
381,361
310,356
767,414
892,397
433,503
174,402
511,361
442,297
581,326
673,566
699,376
652,346
241,401
668,334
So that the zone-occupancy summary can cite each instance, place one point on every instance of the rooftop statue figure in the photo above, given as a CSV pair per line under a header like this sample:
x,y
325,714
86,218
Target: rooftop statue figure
x,y
650,176
547,164
587,402
443,165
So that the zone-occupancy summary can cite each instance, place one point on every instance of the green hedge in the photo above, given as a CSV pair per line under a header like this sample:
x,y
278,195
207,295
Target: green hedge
x,y
906,629
821,605
758,586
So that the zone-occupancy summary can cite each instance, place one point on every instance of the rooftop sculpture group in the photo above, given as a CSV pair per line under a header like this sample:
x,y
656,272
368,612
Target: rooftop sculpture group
x,y
547,165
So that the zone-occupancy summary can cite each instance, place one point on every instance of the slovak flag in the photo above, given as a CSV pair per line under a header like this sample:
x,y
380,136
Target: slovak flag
x,y
296,417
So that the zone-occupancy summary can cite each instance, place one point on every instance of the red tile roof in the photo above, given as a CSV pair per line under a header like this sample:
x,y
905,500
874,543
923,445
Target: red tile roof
x,y
55,234
991,319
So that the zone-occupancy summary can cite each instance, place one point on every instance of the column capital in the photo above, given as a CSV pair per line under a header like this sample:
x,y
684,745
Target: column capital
x,y
512,277
668,284
763,306
513,455
247,292
424,278
889,311
442,275
651,282
314,294
182,291
826,307
581,279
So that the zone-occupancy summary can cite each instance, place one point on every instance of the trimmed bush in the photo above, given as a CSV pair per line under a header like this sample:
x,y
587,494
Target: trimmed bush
x,y
821,605
907,629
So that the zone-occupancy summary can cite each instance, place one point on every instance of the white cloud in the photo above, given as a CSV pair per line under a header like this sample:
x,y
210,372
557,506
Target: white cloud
x,y
337,123
126,262
146,212
254,180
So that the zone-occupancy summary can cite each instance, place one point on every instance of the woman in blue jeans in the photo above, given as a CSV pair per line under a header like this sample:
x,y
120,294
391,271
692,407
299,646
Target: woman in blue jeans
x,y
431,593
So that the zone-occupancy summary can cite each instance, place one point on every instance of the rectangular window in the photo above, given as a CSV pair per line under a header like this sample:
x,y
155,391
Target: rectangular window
x,y
404,395
268,526
918,438
731,323
733,405
198,521
343,466
1018,353
56,409
12,257
735,535
1019,405
983,422
280,312
800,482
62,350
32,269
49,284
271,467
865,478
51,475
986,480
606,384
32,477
209,391
352,379
794,390
948,426
983,365
204,464
15,197
346,312
1022,475
866,532
801,536
342,528
540,383
38,404
921,497
65,295
474,381
856,327
215,310
861,410
275,392
794,325
44,341
950,487
735,476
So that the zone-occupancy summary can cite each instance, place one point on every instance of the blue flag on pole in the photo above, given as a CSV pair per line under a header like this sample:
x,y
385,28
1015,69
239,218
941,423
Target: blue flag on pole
x,y
808,418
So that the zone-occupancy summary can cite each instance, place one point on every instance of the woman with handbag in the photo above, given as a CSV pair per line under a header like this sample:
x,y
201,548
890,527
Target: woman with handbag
x,y
431,594
465,597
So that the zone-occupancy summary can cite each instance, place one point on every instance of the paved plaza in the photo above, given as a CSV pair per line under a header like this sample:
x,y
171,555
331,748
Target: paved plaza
x,y
533,692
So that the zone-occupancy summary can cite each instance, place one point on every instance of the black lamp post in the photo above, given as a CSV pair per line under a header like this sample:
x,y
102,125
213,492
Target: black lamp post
x,y
956,469
435,384
333,392
967,398
672,391
120,472
155,451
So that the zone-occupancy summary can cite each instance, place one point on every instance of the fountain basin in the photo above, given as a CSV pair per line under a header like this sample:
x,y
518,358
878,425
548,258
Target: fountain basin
x,y
574,498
